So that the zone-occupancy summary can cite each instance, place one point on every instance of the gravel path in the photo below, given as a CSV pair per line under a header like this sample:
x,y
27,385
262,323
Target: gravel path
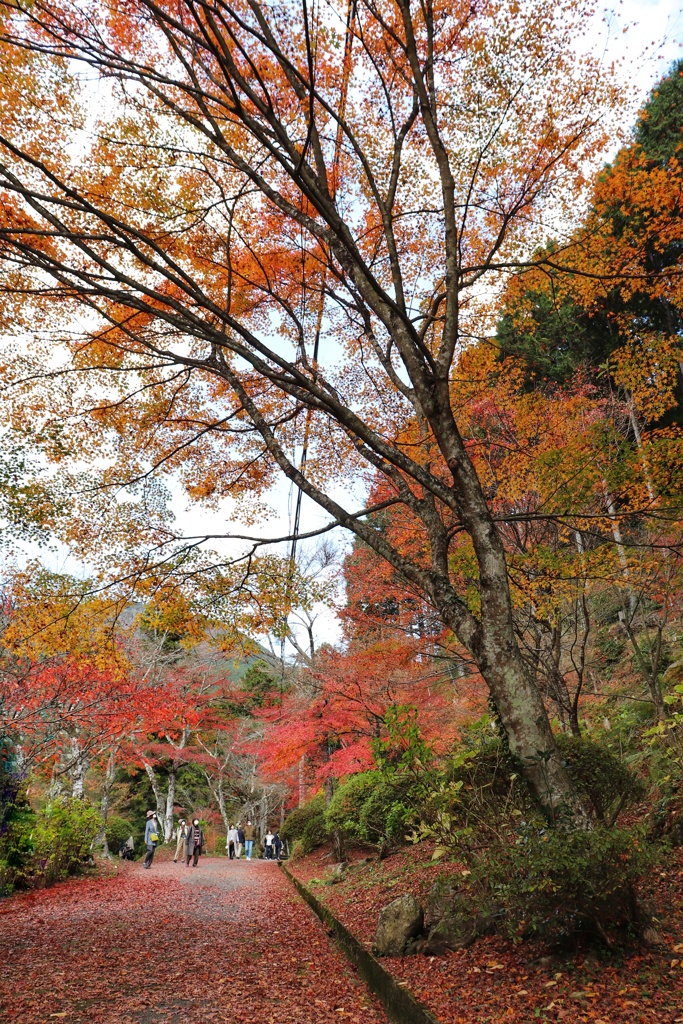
x,y
227,941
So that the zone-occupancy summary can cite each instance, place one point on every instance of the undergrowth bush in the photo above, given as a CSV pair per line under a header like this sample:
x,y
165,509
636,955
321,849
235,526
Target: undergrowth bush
x,y
529,875
371,809
305,827
38,848
538,877
116,832
605,783
556,882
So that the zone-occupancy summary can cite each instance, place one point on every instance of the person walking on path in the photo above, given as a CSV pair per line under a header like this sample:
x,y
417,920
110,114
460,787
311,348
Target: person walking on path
x,y
248,839
194,844
277,845
232,839
181,839
240,841
151,838
269,845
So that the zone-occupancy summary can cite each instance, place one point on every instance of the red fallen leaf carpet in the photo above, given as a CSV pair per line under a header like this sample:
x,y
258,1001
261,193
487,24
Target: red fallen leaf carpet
x,y
497,982
229,941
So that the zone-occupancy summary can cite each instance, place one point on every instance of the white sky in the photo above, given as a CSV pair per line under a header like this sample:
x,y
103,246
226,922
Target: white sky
x,y
653,39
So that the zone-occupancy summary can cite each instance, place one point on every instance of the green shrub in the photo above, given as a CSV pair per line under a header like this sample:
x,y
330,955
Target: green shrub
x,y
15,843
306,825
534,878
40,848
117,832
368,808
476,792
555,882
604,782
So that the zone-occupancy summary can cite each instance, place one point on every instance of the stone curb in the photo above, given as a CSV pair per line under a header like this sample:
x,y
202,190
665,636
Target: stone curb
x,y
400,1004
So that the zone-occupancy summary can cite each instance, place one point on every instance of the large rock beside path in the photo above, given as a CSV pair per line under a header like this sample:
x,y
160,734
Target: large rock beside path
x,y
398,922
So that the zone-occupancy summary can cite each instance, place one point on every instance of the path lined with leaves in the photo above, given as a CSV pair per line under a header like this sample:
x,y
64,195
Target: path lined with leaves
x,y
229,941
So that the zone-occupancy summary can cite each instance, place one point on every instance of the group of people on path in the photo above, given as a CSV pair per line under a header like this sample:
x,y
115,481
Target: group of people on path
x,y
239,837
190,841
189,838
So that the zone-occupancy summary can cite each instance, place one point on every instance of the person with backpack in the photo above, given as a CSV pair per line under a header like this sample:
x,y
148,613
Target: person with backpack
x,y
181,839
151,838
248,839
194,844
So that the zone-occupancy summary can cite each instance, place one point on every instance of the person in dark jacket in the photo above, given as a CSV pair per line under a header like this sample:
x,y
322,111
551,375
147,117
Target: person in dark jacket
x,y
277,845
151,838
195,842
248,839
240,841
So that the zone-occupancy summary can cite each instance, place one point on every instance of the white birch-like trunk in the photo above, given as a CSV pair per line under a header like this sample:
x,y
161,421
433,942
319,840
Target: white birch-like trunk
x,y
170,800
220,797
79,768
158,796
104,803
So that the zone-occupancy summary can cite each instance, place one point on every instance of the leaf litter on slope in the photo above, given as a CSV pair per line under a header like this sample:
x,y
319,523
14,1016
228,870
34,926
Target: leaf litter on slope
x,y
495,981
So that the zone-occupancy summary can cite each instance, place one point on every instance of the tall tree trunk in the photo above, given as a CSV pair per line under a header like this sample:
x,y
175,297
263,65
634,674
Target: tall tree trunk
x,y
106,796
530,738
158,795
78,771
649,672
170,801
218,793
337,837
491,638
520,709
633,415
263,817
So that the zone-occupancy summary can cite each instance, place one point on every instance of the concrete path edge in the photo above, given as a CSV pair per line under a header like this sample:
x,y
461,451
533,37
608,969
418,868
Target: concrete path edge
x,y
399,1003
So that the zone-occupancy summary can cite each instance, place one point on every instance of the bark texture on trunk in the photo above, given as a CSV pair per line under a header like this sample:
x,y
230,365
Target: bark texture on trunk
x,y
170,801
78,771
521,710
158,795
337,837
106,797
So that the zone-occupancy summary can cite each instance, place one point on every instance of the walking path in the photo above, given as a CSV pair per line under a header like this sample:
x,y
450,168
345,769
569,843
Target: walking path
x,y
229,941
